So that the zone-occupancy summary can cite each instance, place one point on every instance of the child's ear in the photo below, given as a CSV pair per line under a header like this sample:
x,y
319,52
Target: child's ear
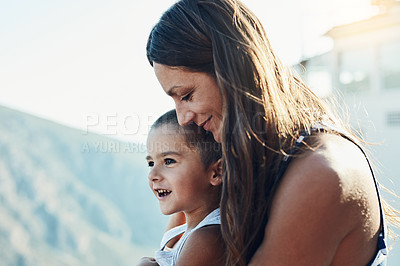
x,y
216,173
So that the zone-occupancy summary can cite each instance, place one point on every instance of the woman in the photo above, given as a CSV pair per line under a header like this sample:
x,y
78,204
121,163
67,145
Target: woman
x,y
296,190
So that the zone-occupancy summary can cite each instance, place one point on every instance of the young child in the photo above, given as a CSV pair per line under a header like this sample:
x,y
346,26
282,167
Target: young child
x,y
186,176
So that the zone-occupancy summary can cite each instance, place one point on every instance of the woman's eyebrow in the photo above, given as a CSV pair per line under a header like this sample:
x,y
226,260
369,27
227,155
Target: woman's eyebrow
x,y
172,91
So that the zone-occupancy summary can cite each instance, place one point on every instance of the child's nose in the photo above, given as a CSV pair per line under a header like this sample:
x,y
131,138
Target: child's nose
x,y
154,175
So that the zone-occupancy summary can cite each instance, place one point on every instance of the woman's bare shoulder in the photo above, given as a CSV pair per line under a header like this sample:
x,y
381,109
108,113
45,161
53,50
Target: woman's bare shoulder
x,y
336,165
320,201
320,182
204,246
336,173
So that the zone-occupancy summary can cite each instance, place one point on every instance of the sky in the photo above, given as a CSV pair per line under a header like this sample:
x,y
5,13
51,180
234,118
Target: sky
x,y
83,63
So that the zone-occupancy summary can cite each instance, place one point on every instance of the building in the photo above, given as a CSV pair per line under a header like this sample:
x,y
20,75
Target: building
x,y
363,68
362,72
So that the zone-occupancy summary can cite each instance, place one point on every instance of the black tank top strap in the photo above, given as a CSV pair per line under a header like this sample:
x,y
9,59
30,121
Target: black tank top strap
x,y
301,141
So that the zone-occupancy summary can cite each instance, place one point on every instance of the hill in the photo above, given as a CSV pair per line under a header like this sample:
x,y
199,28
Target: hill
x,y
68,197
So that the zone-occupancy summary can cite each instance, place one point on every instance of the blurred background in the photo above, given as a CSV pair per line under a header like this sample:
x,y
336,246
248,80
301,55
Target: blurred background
x,y
77,97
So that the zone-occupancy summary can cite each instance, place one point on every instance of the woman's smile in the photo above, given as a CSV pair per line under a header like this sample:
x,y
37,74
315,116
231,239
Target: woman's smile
x,y
206,124
196,95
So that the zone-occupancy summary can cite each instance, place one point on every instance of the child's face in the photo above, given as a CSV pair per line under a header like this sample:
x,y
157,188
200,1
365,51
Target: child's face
x,y
177,176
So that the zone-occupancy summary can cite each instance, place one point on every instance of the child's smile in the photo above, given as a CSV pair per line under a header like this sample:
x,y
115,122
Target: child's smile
x,y
162,193
177,175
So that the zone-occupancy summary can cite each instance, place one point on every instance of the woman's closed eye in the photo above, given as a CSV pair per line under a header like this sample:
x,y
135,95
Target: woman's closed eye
x,y
187,97
169,161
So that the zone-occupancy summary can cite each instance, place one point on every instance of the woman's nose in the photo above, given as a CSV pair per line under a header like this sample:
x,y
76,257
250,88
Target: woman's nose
x,y
185,116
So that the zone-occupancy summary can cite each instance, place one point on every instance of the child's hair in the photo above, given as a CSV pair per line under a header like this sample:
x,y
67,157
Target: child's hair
x,y
195,136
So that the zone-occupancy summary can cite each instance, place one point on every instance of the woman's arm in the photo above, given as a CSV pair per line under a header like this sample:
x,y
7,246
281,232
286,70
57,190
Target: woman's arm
x,y
204,246
306,222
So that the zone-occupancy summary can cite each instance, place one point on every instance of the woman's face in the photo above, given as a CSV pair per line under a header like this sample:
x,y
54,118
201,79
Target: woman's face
x,y
196,95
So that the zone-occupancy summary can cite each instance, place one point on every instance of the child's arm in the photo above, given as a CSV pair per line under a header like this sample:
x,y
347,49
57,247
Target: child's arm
x,y
204,246
147,261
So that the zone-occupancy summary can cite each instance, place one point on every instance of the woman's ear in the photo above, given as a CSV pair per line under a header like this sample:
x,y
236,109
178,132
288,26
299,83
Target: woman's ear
x,y
216,173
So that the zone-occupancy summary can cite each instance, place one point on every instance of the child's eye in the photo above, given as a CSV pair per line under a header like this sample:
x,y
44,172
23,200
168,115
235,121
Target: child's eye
x,y
169,161
150,163
187,97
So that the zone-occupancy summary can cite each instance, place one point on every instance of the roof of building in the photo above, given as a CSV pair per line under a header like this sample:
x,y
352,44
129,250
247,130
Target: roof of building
x,y
388,17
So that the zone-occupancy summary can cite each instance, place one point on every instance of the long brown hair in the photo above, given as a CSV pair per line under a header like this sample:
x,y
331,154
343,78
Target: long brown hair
x,y
265,106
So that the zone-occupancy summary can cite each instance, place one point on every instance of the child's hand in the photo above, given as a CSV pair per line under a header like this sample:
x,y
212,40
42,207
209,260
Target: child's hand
x,y
147,261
